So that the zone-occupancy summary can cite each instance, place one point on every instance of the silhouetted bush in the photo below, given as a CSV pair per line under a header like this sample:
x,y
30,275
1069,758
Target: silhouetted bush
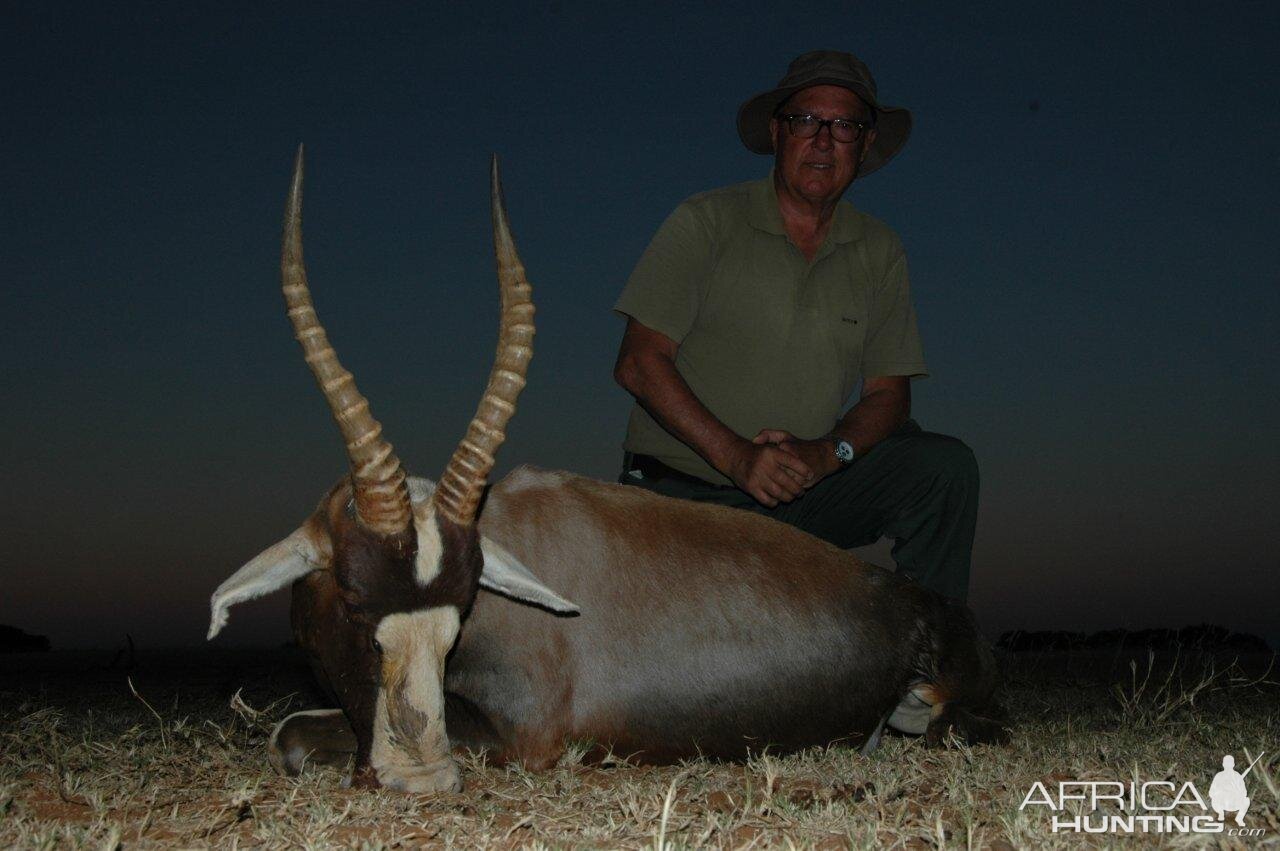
x,y
14,640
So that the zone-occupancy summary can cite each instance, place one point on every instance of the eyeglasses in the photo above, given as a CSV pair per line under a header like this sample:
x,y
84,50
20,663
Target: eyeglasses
x,y
808,126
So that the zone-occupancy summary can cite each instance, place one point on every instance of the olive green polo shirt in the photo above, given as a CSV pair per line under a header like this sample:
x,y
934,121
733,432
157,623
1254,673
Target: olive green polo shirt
x,y
766,338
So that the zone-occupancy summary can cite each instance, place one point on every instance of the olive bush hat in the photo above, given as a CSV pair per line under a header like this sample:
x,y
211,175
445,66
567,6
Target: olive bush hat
x,y
826,67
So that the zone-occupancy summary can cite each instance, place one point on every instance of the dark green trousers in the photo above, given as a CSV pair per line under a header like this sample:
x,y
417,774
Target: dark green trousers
x,y
915,487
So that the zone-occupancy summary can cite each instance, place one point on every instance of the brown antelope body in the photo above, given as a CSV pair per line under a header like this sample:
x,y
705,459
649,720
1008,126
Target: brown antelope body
x,y
694,629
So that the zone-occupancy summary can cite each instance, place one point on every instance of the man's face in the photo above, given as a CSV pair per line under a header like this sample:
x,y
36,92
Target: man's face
x,y
820,169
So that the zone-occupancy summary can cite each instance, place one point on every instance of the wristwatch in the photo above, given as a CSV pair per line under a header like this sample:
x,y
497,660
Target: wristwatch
x,y
844,451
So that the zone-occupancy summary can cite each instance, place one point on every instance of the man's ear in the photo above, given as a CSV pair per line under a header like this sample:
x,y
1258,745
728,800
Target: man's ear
x,y
307,549
507,575
868,139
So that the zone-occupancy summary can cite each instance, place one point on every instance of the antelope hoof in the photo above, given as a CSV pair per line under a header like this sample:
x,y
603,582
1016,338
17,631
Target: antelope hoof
x,y
313,737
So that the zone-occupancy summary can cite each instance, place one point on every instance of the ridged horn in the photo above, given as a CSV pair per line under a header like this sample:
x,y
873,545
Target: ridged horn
x,y
457,496
381,494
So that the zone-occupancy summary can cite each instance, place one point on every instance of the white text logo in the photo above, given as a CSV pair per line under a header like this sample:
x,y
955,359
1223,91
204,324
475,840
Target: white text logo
x,y
1157,806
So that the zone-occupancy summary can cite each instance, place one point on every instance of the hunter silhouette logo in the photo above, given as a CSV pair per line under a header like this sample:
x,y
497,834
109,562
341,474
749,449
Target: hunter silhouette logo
x,y
1227,793
1153,806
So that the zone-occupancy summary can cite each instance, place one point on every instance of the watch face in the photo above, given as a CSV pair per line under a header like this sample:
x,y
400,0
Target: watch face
x,y
844,451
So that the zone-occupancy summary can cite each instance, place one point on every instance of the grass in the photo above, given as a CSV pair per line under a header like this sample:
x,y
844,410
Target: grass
x,y
171,754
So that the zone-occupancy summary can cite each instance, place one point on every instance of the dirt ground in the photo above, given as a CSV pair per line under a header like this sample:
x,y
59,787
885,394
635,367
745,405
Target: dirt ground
x,y
167,749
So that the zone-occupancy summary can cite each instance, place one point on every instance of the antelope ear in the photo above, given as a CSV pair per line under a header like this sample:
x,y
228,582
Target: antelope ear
x,y
505,574
307,549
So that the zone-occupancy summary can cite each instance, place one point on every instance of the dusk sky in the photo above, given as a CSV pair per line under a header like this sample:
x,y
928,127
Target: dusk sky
x,y
1088,202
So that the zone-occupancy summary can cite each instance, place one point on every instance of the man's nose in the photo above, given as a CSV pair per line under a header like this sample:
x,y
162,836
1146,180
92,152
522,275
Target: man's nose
x,y
824,139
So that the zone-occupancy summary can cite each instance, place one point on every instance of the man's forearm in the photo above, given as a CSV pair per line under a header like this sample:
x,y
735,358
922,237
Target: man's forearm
x,y
662,391
876,415
646,367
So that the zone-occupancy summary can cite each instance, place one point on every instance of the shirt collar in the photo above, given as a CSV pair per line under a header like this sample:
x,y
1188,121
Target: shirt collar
x,y
763,213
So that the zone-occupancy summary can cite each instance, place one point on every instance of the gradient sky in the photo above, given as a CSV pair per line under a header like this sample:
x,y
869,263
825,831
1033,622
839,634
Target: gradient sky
x,y
1088,203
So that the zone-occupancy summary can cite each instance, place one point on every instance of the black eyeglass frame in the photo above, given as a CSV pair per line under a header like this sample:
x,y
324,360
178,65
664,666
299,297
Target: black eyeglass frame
x,y
859,127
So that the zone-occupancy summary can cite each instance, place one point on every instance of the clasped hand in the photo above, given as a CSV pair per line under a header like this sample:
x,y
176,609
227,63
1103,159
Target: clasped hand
x,y
776,466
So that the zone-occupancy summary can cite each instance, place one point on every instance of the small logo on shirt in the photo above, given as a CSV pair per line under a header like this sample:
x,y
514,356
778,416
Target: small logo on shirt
x,y
849,319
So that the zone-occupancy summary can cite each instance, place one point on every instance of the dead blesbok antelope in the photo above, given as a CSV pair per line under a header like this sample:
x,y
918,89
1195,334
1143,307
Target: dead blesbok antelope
x,y
696,629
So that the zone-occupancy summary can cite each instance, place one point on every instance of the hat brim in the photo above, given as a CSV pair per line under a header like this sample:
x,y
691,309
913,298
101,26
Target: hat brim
x,y
893,123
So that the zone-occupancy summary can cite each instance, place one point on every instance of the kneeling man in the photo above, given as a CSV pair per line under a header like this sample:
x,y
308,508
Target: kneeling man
x,y
756,311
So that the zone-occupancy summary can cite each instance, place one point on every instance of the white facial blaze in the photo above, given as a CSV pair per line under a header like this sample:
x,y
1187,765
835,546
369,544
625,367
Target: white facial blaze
x,y
410,745
430,548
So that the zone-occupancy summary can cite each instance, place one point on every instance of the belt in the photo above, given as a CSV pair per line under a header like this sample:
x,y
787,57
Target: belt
x,y
655,471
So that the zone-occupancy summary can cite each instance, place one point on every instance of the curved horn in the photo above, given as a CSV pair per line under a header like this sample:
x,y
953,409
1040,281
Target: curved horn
x,y
457,496
381,495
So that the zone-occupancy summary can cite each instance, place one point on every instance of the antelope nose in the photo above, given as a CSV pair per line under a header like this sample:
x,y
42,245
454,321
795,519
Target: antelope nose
x,y
439,777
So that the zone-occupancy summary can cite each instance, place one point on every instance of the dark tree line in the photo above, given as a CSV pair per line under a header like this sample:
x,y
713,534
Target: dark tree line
x,y
1201,636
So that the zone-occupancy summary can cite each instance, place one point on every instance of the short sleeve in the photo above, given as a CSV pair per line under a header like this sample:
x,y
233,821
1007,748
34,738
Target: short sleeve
x,y
665,290
893,345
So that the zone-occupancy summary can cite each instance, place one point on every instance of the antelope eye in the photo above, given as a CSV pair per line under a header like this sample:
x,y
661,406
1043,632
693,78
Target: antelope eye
x,y
377,645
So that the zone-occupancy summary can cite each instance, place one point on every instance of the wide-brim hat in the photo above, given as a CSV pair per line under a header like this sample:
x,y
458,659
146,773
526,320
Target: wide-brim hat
x,y
818,68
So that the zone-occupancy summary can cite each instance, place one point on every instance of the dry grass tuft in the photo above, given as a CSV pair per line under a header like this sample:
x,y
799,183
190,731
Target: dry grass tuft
x,y
173,756
1169,689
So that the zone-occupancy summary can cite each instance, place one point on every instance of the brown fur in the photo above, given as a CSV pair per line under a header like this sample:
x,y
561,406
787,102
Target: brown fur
x,y
663,571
